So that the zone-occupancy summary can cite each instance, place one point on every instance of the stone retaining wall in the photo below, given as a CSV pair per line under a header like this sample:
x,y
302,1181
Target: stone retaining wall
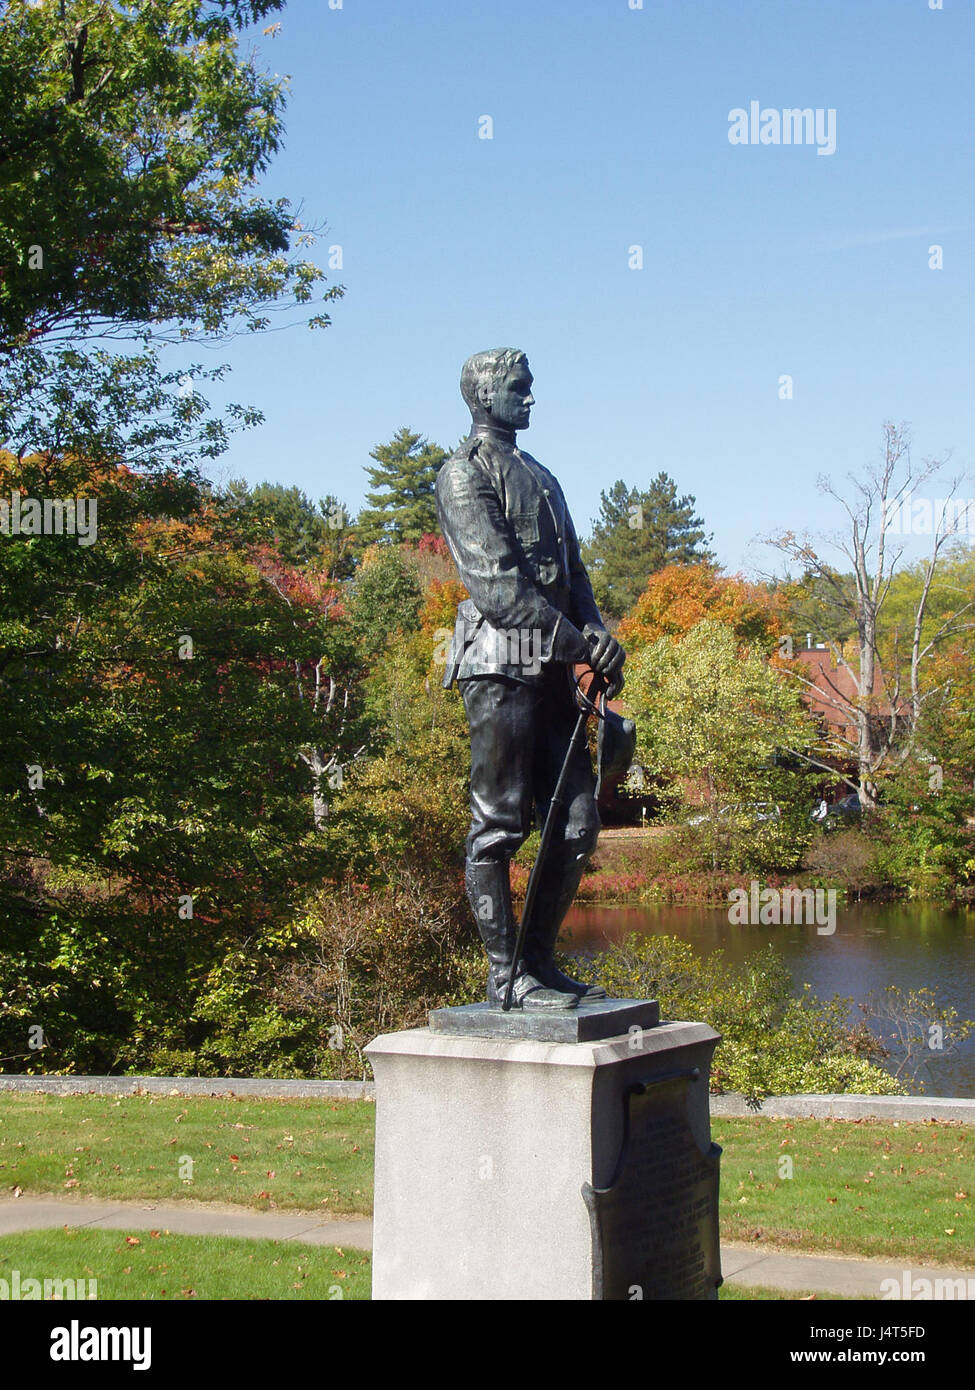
x,y
838,1107
266,1088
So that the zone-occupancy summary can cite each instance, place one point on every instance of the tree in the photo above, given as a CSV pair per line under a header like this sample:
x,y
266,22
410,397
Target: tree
x,y
952,587
925,843
638,532
407,799
301,533
709,715
402,503
885,709
678,597
133,139
325,685
155,807
385,598
166,828
131,150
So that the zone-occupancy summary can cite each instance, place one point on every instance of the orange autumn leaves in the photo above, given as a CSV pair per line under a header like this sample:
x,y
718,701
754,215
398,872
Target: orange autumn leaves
x,y
678,597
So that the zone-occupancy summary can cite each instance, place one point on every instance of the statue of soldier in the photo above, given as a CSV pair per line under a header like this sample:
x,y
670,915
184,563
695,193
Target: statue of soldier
x,y
530,617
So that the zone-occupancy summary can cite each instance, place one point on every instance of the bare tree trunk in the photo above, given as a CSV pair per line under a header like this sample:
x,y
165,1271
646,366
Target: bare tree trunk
x,y
866,676
856,599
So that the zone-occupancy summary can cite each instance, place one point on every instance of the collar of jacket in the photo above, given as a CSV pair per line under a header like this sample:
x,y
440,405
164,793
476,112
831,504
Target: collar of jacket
x,y
501,459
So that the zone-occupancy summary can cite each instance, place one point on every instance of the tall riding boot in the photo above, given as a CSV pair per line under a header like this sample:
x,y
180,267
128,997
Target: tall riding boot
x,y
489,894
556,890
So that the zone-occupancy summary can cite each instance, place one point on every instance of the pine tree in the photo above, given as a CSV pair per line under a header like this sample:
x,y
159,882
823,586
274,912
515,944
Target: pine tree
x,y
301,532
638,532
402,506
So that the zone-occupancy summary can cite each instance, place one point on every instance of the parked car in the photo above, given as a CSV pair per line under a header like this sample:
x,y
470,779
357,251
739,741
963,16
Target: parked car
x,y
833,815
752,812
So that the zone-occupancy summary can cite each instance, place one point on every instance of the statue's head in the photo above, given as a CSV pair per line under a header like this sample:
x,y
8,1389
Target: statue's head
x,y
497,386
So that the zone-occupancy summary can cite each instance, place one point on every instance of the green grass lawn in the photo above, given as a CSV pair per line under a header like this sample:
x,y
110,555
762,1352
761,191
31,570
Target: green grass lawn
x,y
308,1154
862,1188
867,1188
138,1265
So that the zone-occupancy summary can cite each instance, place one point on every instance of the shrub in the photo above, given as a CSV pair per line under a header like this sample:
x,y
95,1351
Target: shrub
x,y
772,1042
375,959
923,841
848,858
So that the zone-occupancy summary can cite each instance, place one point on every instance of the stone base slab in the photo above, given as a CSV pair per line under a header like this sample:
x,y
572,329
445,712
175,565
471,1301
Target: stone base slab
x,y
589,1022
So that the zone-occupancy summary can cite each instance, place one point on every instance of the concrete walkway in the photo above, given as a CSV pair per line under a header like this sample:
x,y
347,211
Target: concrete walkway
x,y
750,1265
183,1218
745,1265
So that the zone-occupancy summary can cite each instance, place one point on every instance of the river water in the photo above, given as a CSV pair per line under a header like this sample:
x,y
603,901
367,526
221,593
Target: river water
x,y
908,944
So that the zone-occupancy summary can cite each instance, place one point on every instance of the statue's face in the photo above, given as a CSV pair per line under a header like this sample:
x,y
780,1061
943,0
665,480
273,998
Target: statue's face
x,y
511,402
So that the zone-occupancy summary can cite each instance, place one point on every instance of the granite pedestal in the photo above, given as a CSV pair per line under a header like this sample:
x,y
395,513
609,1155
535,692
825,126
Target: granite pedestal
x,y
517,1168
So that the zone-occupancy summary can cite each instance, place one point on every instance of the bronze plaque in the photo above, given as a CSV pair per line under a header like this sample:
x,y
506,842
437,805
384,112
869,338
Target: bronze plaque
x,y
655,1227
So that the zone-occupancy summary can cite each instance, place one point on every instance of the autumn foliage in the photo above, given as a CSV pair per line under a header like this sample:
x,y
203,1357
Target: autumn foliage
x,y
678,597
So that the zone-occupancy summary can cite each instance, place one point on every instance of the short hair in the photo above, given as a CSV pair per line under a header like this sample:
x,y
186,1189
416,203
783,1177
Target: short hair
x,y
495,364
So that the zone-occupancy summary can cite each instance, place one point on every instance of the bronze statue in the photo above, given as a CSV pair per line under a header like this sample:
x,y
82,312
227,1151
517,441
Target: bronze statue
x,y
530,618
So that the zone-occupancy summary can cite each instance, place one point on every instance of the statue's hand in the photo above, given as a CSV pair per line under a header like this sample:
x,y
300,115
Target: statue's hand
x,y
606,657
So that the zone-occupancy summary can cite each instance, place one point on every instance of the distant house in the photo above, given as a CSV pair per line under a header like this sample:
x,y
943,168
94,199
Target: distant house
x,y
832,697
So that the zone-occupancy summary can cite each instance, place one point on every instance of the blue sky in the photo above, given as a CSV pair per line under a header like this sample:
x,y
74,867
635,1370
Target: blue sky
x,y
610,130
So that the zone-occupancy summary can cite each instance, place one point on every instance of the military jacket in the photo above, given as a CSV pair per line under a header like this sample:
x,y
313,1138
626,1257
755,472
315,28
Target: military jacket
x,y
506,522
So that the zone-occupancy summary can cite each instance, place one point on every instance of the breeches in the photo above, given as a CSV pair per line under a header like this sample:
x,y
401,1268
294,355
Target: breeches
x,y
520,735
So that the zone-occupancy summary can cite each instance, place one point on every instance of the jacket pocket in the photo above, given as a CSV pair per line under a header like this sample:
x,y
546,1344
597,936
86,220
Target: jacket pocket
x,y
525,527
538,552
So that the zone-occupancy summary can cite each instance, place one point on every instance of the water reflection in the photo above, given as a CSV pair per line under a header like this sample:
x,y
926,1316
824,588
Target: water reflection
x,y
908,944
